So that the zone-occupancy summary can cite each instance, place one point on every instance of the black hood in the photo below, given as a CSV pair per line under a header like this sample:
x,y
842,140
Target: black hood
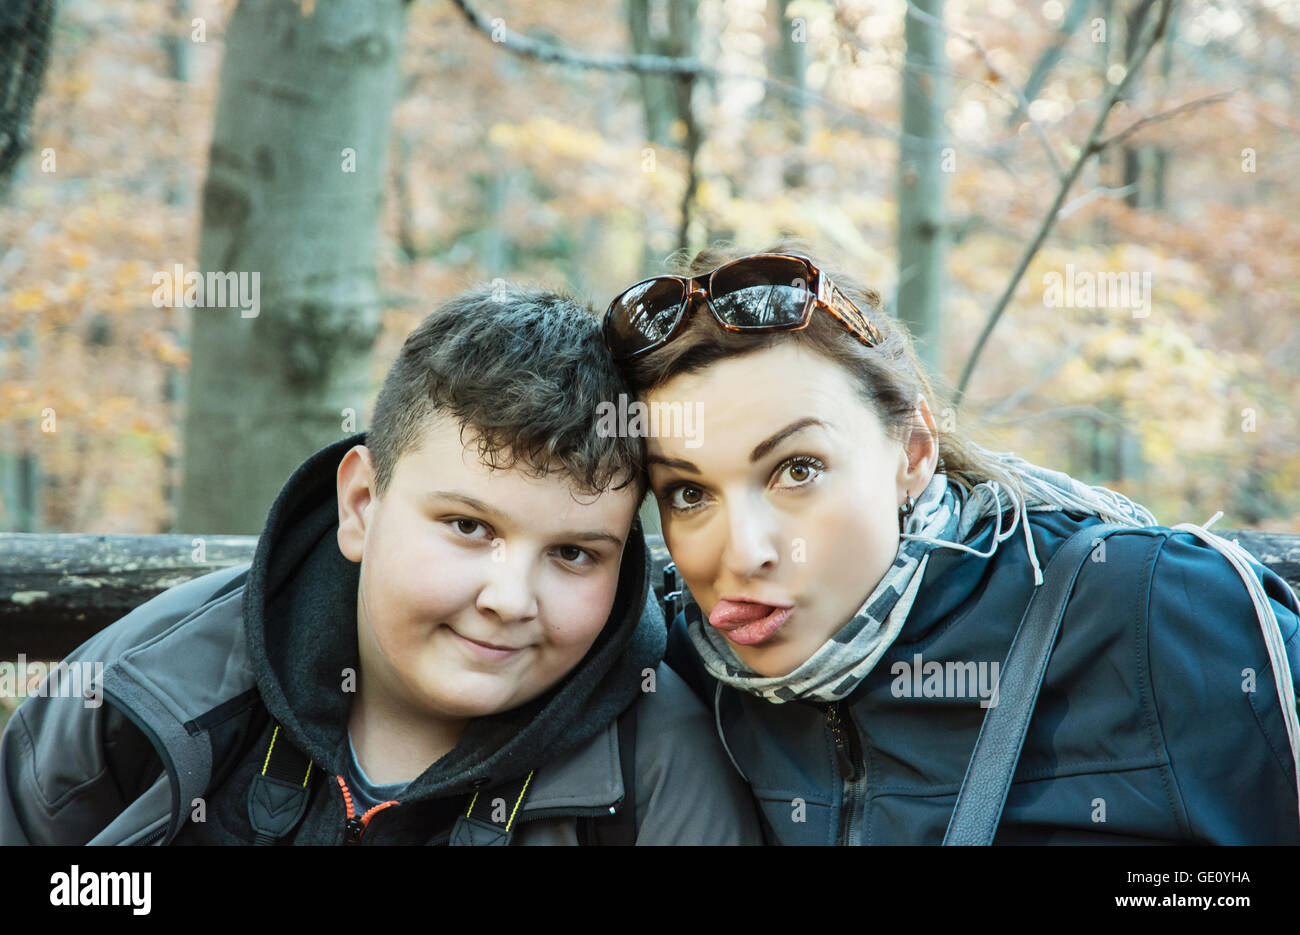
x,y
300,613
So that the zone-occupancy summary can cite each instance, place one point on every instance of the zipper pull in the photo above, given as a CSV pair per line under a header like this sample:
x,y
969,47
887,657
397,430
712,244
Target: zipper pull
x,y
352,824
843,745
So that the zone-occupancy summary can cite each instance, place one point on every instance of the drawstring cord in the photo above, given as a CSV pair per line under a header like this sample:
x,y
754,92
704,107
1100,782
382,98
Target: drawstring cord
x,y
998,536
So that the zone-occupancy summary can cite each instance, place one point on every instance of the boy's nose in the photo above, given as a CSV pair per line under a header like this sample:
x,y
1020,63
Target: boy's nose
x,y
508,593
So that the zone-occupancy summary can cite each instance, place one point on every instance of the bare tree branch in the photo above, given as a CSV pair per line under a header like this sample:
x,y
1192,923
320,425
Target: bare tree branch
x,y
993,152
1282,123
1017,99
520,44
1088,197
1092,146
528,47
1164,115
1024,392
1057,412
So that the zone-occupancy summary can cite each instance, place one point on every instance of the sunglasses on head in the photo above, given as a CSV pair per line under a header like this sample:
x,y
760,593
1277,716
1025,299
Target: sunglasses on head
x,y
758,294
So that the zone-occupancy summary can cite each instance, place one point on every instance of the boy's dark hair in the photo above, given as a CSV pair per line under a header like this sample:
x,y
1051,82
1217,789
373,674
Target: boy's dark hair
x,y
522,371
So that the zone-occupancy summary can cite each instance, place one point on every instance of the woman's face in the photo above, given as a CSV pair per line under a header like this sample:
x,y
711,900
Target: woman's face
x,y
782,515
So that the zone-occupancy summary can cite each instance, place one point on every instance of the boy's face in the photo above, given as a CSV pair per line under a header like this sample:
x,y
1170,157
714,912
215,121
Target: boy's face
x,y
479,589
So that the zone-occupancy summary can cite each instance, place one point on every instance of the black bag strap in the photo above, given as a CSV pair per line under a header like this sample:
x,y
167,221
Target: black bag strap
x,y
620,828
485,828
277,799
983,792
672,593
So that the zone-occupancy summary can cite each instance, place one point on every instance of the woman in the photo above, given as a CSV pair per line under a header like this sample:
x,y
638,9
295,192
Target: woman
x,y
856,574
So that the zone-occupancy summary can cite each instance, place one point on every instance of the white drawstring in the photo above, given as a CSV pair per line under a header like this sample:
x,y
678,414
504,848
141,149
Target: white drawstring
x,y
998,536
1241,561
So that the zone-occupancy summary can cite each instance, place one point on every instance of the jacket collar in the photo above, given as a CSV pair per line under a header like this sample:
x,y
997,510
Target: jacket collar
x,y
172,707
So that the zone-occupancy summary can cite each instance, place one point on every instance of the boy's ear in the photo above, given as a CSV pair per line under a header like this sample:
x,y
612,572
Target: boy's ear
x,y
356,496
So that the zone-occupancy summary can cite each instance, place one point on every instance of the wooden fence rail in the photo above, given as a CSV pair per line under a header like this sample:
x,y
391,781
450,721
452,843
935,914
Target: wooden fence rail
x,y
58,590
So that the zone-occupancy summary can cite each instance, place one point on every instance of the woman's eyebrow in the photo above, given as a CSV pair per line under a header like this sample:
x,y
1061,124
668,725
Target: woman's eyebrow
x,y
672,463
762,448
765,446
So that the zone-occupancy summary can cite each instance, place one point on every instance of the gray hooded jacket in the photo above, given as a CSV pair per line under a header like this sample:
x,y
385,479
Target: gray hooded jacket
x,y
195,680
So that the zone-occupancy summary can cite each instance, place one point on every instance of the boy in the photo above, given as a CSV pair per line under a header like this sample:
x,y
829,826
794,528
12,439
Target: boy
x,y
446,635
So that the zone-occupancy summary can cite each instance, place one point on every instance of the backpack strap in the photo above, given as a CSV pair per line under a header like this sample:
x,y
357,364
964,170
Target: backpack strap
x,y
672,593
620,828
983,792
498,809
277,799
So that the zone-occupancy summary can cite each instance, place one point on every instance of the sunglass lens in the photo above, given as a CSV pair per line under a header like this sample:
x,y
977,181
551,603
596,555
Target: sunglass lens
x,y
645,314
760,293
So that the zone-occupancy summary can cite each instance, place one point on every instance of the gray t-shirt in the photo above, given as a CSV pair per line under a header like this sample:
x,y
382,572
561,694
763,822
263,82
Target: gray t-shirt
x,y
366,794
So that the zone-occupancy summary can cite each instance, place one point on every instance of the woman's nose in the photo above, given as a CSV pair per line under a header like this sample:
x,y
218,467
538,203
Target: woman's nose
x,y
751,550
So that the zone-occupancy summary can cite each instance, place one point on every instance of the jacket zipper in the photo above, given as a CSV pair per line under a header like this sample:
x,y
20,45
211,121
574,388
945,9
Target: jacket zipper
x,y
149,839
355,825
847,751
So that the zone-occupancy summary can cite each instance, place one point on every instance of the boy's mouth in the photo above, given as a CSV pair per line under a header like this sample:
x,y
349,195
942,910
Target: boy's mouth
x,y
749,623
484,649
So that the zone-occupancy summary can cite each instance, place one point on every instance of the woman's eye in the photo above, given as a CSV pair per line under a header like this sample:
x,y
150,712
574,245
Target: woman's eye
x,y
800,471
684,498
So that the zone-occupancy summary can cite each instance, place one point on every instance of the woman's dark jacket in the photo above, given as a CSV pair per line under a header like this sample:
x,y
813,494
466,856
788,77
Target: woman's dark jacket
x,y
1158,720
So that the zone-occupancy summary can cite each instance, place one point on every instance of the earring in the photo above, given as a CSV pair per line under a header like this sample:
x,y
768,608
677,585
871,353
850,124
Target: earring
x,y
906,511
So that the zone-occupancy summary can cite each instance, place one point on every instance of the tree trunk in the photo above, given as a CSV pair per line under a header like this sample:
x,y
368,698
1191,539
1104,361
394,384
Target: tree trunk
x,y
294,189
922,185
177,44
1101,226
26,37
668,27
1133,152
662,27
21,478
1164,154
789,61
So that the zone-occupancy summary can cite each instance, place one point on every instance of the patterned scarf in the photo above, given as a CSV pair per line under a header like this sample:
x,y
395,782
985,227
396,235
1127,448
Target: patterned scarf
x,y
944,512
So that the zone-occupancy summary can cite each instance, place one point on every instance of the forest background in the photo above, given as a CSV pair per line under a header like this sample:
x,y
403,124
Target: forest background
x,y
972,159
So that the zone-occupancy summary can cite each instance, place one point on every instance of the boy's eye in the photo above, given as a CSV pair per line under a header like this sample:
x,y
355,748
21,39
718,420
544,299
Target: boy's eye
x,y
466,527
575,555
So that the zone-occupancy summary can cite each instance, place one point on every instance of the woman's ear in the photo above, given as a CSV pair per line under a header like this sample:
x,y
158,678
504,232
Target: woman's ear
x,y
921,453
356,486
